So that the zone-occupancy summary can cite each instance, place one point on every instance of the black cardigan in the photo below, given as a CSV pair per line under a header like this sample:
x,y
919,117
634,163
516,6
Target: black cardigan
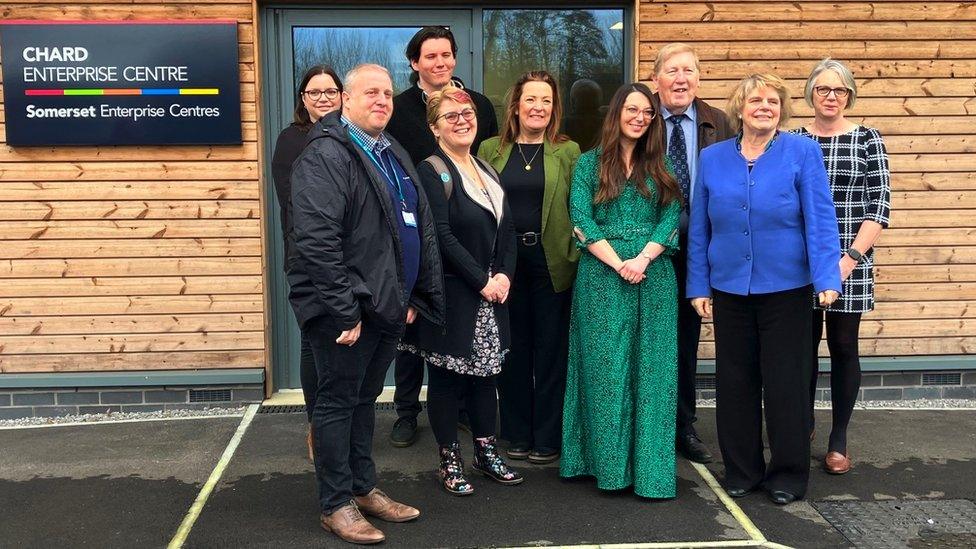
x,y
291,143
409,123
471,243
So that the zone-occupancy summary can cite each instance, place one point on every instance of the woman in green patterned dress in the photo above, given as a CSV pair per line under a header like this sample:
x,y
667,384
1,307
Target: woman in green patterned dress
x,y
619,413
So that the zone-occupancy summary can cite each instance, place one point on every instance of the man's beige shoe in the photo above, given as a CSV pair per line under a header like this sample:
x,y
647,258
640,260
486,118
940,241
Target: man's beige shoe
x,y
379,505
350,525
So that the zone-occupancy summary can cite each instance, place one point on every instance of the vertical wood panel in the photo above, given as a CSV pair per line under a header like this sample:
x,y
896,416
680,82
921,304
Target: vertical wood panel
x,y
192,221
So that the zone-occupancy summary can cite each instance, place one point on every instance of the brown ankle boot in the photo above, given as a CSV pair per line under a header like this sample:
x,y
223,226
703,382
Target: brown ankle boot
x,y
379,505
350,525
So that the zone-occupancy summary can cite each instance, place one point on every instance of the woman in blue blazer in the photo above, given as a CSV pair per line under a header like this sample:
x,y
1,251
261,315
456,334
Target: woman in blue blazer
x,y
762,240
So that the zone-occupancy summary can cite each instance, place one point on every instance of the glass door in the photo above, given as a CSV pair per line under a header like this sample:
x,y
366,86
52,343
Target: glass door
x,y
342,39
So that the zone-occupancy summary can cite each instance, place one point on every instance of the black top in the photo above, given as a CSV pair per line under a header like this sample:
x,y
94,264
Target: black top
x,y
525,188
409,123
291,142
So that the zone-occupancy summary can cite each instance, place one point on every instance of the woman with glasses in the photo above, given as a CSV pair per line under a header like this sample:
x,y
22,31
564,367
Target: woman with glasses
x,y
761,240
619,416
319,93
536,162
477,244
857,167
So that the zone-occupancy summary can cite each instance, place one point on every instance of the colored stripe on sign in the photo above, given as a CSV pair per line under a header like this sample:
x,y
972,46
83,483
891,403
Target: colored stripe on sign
x,y
126,91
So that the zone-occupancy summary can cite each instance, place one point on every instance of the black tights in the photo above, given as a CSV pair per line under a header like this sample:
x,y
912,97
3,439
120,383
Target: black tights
x,y
845,370
445,388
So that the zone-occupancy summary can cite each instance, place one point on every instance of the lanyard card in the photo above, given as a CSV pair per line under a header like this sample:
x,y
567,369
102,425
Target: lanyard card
x,y
409,219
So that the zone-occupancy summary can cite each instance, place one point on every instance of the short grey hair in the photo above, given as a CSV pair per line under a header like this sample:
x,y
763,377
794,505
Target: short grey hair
x,y
840,70
354,73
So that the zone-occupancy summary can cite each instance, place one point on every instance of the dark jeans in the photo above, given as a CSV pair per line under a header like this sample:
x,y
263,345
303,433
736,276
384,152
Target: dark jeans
x,y
845,370
445,389
408,375
350,379
689,333
532,384
762,357
308,375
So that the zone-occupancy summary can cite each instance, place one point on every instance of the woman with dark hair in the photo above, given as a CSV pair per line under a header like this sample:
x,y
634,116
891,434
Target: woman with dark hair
x,y
619,416
477,243
536,162
319,93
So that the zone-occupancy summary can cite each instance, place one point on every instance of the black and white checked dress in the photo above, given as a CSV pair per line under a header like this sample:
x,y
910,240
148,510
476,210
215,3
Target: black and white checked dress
x,y
857,166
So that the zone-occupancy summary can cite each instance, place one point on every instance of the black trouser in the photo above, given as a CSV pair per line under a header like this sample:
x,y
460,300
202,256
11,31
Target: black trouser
x,y
445,388
845,370
762,357
689,332
408,375
350,379
309,377
532,384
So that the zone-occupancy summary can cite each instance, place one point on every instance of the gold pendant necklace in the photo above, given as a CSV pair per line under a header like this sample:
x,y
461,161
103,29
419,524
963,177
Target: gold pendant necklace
x,y
528,163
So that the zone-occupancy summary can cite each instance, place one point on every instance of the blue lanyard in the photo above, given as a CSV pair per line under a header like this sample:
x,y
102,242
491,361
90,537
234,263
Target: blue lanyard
x,y
392,179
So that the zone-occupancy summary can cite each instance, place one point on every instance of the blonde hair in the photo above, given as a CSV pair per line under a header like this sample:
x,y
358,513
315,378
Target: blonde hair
x,y
668,51
751,83
451,92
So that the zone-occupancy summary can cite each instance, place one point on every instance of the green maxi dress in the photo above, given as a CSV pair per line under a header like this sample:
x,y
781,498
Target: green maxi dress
x,y
619,411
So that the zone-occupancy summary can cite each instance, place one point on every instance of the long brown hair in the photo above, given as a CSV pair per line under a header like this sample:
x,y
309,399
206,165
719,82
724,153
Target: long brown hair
x,y
648,156
510,127
301,113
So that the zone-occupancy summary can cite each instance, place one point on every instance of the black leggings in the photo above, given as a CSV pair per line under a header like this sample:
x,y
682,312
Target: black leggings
x,y
445,388
845,370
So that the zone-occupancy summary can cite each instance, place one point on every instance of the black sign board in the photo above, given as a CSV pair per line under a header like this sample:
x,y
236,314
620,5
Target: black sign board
x,y
121,82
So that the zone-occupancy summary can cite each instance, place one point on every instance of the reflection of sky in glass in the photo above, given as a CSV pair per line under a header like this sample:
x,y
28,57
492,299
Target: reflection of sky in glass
x,y
345,47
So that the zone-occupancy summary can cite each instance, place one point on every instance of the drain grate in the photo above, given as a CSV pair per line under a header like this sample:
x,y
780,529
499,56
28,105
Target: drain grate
x,y
705,382
282,409
909,524
943,541
953,378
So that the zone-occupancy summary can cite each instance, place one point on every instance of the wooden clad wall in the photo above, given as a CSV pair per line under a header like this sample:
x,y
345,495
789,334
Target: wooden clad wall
x,y
915,64
133,258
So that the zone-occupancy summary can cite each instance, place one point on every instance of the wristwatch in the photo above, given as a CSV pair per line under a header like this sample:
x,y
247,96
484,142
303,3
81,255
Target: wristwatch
x,y
645,254
855,255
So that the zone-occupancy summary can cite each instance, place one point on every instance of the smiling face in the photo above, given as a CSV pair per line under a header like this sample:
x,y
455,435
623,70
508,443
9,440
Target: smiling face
x,y
460,134
535,107
636,116
435,66
829,107
368,100
761,110
677,82
322,106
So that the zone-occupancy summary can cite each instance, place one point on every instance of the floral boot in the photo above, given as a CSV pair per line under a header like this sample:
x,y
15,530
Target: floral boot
x,y
451,471
489,463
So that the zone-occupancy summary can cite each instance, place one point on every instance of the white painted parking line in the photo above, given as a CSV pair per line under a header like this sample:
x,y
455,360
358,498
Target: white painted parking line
x,y
740,516
113,422
194,513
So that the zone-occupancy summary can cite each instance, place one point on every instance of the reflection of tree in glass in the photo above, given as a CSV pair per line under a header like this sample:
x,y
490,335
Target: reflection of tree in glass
x,y
570,44
344,48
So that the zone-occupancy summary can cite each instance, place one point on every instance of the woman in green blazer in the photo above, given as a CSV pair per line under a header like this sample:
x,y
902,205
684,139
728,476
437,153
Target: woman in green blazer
x,y
535,163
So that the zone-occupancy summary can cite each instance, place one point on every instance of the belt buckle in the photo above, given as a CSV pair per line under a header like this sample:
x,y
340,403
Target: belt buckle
x,y
530,238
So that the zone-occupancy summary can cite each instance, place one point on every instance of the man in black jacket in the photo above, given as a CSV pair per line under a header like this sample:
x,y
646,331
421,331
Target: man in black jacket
x,y
432,55
365,264
691,126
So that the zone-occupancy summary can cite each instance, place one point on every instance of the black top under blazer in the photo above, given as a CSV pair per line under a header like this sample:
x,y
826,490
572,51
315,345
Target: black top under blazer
x,y
471,243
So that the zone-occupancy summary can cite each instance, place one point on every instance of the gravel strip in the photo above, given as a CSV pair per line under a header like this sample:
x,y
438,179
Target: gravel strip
x,y
97,418
939,403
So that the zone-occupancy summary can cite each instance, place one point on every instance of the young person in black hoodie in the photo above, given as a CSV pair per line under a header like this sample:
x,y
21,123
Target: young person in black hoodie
x,y
432,55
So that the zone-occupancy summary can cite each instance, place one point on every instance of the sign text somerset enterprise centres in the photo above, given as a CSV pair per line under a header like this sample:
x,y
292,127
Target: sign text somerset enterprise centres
x,y
121,83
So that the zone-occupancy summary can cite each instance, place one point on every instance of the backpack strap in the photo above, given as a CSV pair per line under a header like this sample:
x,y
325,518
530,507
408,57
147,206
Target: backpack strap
x,y
488,168
440,167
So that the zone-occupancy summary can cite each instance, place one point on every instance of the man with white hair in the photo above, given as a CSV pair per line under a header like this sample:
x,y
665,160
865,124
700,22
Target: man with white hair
x,y
691,126
366,263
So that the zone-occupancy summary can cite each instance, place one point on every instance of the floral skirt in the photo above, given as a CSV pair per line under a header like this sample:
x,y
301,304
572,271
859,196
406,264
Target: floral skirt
x,y
486,352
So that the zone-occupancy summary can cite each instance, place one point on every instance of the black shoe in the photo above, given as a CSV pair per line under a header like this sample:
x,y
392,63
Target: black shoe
x,y
780,497
542,456
693,448
738,492
518,450
404,432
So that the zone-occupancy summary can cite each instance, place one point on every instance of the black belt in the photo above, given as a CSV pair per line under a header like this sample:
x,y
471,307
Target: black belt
x,y
529,239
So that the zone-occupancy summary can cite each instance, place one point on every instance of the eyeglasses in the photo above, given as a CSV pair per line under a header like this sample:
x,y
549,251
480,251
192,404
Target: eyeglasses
x,y
453,117
631,110
329,94
839,93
